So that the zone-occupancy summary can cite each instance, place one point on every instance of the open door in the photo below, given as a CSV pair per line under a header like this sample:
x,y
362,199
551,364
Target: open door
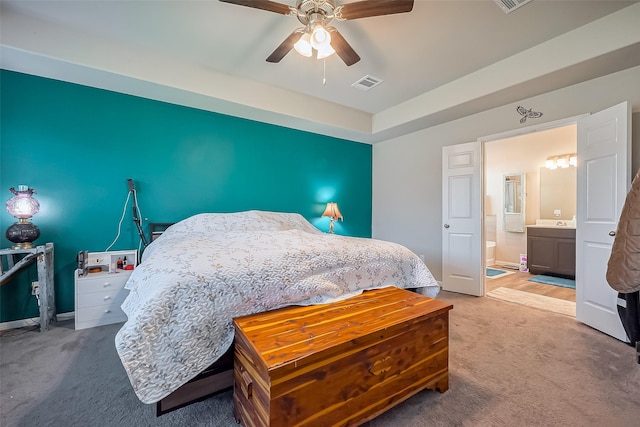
x,y
603,182
462,254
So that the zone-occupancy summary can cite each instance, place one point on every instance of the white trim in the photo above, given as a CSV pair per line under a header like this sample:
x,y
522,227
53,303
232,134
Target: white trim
x,y
531,129
507,264
33,321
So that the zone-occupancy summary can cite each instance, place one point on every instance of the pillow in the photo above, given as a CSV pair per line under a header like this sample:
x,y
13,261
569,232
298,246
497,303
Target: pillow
x,y
247,221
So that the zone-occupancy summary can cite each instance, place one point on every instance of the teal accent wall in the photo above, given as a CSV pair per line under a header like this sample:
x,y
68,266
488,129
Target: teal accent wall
x,y
77,146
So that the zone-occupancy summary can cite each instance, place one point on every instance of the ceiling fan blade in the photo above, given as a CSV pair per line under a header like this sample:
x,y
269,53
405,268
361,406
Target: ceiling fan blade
x,y
342,48
267,5
284,48
366,9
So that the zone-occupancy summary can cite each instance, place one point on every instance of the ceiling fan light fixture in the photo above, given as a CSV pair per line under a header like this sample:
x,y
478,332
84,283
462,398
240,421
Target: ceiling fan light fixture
x,y
325,51
303,46
320,38
315,15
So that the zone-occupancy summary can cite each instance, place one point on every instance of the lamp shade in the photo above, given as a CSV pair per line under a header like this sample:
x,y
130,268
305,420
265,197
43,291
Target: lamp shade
x,y
22,205
303,46
325,52
320,37
332,211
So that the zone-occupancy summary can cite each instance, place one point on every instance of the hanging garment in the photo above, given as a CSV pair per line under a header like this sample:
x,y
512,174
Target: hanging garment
x,y
629,312
623,269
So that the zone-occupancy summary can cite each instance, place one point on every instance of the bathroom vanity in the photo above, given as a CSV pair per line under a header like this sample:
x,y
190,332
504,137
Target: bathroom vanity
x,y
551,250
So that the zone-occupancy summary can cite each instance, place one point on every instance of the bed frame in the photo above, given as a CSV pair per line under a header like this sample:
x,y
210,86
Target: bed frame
x,y
215,379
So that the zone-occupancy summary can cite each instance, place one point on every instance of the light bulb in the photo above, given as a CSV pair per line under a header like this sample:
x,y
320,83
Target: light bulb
x,y
562,162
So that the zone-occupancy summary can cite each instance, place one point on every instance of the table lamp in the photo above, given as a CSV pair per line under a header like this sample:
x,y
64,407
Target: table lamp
x,y
333,213
22,206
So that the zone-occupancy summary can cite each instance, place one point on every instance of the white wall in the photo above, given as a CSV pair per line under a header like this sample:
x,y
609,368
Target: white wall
x,y
407,171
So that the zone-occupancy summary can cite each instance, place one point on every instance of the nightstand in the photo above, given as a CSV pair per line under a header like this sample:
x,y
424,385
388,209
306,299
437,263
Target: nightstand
x,y
100,294
42,256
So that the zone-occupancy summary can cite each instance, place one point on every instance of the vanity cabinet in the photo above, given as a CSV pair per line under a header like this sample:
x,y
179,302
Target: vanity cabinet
x,y
551,251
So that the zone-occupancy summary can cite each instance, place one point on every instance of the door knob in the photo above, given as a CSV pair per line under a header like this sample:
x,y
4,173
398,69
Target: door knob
x,y
446,226
612,233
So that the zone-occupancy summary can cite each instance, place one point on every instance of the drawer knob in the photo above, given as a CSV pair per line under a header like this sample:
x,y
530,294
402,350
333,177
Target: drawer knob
x,y
107,298
612,233
106,284
107,311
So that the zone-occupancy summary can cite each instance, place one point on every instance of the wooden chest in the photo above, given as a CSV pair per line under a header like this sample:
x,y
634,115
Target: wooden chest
x,y
341,363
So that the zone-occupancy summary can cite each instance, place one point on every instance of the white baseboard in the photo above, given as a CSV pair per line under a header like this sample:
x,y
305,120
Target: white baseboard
x,y
513,265
33,321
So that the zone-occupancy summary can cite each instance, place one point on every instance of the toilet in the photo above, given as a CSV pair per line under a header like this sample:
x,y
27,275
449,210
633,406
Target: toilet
x,y
491,252
490,236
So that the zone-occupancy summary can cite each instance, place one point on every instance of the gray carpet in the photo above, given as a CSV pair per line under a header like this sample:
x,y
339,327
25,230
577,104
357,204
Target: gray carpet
x,y
510,365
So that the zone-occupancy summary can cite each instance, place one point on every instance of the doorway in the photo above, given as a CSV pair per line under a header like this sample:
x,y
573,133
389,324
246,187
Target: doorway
x,y
603,180
548,197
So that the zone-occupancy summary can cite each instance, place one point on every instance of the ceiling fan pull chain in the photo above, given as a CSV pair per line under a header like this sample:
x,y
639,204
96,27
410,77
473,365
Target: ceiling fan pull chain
x,y
324,71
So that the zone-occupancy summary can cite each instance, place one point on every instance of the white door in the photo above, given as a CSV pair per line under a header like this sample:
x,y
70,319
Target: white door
x,y
462,254
603,183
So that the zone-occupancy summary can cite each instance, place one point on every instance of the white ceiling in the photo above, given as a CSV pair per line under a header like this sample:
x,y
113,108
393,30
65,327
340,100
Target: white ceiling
x,y
441,61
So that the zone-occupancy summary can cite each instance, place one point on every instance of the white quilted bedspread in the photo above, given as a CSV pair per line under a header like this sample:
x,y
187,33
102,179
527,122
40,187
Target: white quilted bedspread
x,y
206,270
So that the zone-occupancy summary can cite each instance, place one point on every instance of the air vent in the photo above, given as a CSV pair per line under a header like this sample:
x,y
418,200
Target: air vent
x,y
367,82
508,6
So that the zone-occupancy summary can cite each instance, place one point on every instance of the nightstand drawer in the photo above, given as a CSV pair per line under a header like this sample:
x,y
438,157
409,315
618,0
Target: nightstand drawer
x,y
107,282
102,314
116,296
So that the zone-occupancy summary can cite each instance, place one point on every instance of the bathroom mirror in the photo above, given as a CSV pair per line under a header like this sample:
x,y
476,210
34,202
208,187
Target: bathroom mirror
x,y
514,198
558,189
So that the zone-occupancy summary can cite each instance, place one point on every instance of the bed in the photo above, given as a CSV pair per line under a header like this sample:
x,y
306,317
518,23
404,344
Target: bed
x,y
202,272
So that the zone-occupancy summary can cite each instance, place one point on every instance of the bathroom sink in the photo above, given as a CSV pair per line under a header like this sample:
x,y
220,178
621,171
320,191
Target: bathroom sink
x,y
552,223
551,226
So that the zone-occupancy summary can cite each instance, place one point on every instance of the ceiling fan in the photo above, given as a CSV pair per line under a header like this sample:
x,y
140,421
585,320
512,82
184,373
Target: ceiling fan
x,y
316,38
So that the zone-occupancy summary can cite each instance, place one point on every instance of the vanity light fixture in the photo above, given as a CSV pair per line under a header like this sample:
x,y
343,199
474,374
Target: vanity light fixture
x,y
562,161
